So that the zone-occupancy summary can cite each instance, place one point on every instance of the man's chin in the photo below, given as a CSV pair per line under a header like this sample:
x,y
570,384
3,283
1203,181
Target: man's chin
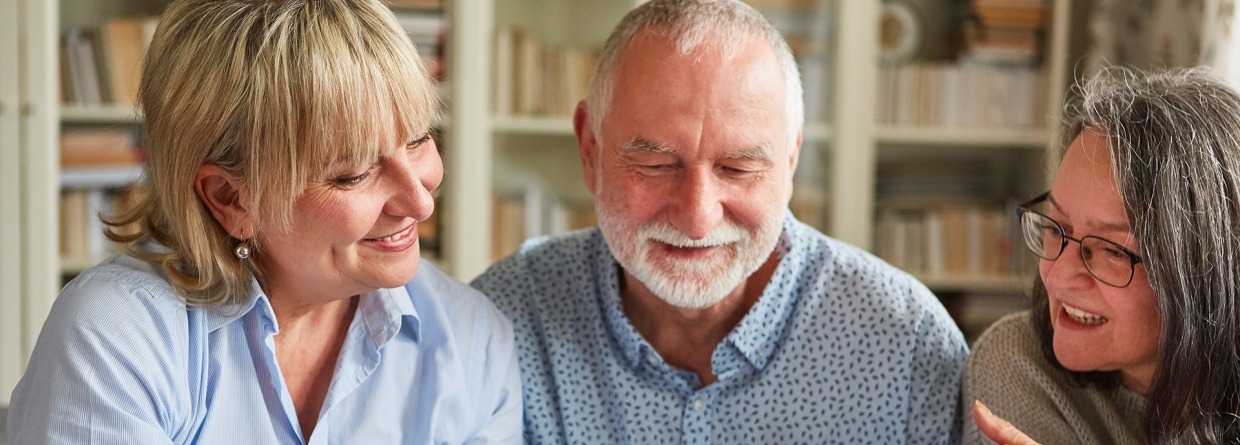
x,y
695,302
696,292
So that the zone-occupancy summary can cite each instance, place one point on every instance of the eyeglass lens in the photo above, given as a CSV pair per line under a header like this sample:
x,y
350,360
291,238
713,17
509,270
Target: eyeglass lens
x,y
1105,260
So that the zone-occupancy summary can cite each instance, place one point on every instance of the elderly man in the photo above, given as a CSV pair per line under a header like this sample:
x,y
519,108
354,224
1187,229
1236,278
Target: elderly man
x,y
700,310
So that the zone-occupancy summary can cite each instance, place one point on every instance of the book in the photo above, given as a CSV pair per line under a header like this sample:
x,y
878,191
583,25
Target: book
x,y
99,147
1013,15
507,225
122,43
83,68
74,211
503,73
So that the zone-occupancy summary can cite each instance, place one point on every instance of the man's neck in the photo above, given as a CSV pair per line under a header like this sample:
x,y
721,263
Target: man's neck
x,y
687,338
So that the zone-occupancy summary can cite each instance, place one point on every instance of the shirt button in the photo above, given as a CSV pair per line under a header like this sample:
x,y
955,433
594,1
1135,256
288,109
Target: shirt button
x,y
699,405
652,359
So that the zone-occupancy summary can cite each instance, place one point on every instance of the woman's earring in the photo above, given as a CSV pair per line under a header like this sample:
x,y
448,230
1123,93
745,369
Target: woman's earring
x,y
242,250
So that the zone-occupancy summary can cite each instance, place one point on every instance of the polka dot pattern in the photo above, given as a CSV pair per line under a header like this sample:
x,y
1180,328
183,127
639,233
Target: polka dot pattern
x,y
840,348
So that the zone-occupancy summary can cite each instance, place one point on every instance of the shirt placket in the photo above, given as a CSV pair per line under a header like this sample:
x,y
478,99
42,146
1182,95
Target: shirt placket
x,y
695,423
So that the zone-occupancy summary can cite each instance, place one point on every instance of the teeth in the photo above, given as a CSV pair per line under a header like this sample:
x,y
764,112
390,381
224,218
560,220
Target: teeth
x,y
1083,317
397,236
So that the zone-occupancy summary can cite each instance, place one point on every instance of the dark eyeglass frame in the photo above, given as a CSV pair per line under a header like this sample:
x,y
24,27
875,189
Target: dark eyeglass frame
x,y
1133,258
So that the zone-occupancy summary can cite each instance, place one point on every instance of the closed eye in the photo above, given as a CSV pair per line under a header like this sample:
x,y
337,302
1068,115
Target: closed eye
x,y
736,171
655,168
1113,251
351,180
1051,229
419,142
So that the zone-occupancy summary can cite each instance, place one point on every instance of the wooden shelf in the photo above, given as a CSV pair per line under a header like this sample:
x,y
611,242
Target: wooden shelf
x,y
1035,139
100,177
981,283
562,126
99,114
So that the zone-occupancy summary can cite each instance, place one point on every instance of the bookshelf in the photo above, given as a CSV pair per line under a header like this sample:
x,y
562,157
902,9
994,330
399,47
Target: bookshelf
x,y
99,55
36,110
491,155
848,141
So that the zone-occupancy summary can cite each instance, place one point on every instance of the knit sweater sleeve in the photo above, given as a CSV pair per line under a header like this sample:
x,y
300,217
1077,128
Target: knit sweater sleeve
x,y
1008,373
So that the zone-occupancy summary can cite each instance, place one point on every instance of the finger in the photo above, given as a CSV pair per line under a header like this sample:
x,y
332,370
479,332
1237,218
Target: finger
x,y
997,429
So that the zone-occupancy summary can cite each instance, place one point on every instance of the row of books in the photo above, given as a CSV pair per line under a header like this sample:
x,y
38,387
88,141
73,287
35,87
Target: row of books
x,y
533,78
1010,30
100,147
978,240
965,94
533,212
915,180
81,231
103,64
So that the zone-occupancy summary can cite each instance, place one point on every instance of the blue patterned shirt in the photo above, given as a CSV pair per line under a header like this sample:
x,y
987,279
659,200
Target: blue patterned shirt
x,y
840,348
122,359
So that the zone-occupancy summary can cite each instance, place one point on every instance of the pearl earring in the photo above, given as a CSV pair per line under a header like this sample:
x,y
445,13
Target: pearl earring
x,y
242,250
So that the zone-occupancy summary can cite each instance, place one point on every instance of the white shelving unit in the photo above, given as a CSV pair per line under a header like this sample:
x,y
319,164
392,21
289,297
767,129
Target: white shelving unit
x,y
28,179
849,137
481,149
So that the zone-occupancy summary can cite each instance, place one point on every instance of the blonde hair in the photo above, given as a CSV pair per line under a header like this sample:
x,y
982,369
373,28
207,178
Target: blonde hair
x,y
275,93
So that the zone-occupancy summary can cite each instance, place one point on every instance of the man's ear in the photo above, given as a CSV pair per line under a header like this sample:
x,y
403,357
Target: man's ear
x,y
795,156
587,146
223,195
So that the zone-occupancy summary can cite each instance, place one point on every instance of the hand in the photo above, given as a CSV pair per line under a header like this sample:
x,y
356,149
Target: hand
x,y
997,429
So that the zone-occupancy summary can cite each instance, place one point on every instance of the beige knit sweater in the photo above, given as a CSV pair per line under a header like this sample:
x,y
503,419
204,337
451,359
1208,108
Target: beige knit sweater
x,y
1009,374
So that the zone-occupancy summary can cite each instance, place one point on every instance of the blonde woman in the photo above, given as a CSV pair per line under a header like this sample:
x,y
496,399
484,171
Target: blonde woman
x,y
275,293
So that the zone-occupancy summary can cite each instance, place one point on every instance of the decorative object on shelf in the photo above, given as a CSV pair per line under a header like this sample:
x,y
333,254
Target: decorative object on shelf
x,y
900,31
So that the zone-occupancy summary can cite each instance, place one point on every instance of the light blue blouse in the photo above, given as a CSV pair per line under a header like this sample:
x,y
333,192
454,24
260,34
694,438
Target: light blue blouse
x,y
121,359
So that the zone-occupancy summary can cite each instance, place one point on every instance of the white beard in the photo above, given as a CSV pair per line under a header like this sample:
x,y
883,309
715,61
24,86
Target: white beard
x,y
689,284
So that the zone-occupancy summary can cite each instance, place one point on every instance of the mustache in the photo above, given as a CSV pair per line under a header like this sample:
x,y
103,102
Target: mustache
x,y
727,232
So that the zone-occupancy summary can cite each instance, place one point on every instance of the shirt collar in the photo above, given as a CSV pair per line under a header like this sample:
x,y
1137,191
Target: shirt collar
x,y
220,316
631,344
755,337
385,310
382,310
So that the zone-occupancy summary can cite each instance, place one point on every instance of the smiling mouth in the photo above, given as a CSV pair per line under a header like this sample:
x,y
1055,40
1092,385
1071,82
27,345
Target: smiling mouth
x,y
1080,316
395,236
691,246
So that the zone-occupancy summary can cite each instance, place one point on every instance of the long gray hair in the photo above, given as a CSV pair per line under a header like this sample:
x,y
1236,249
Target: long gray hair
x,y
1174,139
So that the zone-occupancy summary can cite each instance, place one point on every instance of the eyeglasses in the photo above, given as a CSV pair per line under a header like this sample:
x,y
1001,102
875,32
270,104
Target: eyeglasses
x,y
1107,261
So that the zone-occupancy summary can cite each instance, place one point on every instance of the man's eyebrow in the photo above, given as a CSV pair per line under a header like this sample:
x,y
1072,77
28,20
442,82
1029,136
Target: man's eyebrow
x,y
642,145
755,153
